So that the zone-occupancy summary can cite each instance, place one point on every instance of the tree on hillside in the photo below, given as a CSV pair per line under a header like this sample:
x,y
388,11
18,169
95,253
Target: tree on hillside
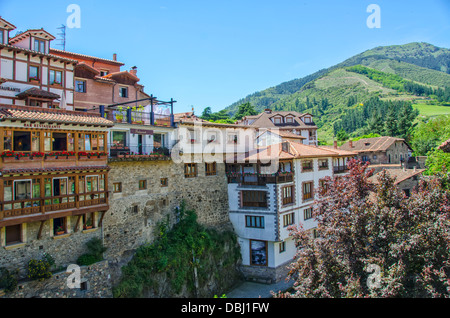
x,y
373,241
437,161
245,109
405,121
206,114
390,123
429,134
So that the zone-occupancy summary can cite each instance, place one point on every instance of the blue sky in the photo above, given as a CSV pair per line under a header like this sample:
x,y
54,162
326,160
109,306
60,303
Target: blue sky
x,y
212,53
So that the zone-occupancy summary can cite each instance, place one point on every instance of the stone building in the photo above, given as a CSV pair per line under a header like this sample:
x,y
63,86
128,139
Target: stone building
x,y
380,150
406,180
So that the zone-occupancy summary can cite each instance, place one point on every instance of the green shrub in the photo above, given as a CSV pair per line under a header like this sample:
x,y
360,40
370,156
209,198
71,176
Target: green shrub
x,y
94,254
39,269
8,281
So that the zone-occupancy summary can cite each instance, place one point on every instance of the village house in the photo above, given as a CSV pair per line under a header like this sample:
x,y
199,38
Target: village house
x,y
406,180
284,122
272,189
30,75
380,150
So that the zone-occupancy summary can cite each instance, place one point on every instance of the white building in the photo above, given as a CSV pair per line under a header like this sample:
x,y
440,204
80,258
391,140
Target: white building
x,y
29,74
272,189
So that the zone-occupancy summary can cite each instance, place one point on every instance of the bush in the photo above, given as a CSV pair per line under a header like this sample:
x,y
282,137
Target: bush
x,y
8,281
39,269
95,254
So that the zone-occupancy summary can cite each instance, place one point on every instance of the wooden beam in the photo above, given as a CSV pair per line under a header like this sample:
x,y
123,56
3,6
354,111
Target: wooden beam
x,y
78,223
101,219
41,226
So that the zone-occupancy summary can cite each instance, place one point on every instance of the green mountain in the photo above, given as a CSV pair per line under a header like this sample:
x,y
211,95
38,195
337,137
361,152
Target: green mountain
x,y
415,72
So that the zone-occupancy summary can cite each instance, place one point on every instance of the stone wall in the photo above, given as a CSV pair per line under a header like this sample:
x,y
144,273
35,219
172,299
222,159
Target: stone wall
x,y
134,214
95,283
65,249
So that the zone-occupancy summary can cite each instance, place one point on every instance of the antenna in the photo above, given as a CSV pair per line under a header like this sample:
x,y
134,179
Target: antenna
x,y
63,34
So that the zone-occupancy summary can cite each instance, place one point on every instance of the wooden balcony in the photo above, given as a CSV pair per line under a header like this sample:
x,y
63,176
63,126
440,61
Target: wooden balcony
x,y
260,179
340,169
40,209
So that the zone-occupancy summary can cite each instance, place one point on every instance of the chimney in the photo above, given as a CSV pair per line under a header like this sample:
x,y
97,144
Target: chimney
x,y
350,143
268,111
335,144
133,70
114,57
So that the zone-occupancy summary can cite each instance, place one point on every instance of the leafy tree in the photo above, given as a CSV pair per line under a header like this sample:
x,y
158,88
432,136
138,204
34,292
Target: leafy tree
x,y
206,114
342,135
364,226
429,134
437,161
245,109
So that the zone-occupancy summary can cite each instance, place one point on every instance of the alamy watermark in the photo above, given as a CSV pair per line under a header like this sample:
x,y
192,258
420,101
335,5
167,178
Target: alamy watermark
x,y
74,19
374,279
374,19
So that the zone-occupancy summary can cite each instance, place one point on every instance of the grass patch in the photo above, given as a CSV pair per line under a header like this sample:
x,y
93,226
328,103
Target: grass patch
x,y
432,110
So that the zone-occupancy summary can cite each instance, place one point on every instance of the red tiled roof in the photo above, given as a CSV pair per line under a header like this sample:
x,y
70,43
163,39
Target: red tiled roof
x,y
295,150
372,144
399,174
36,92
51,116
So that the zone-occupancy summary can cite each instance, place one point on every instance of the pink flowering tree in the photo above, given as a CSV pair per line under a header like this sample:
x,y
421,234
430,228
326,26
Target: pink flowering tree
x,y
373,241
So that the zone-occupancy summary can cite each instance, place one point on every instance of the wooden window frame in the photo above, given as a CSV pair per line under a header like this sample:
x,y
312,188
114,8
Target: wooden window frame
x,y
84,86
164,182
323,167
254,204
286,200
309,167
11,243
143,184
308,213
306,196
210,168
288,219
117,187
190,170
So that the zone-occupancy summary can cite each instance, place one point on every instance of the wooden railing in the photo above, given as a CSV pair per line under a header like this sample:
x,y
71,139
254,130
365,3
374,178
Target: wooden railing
x,y
340,169
260,179
25,207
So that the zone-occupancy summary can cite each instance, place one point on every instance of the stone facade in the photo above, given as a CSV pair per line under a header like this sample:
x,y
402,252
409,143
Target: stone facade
x,y
134,213
95,283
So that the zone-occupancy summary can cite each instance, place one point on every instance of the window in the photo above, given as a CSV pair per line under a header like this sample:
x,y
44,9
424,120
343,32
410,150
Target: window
x,y
80,86
288,219
123,92
190,170
323,186
117,187
103,73
2,34
22,141
254,221
39,45
119,139
287,195
254,199
142,184
210,169
289,119
13,234
59,226
307,120
307,190
307,165
164,182
282,246
258,253
55,77
232,138
33,73
88,221
277,120
59,141
323,164
307,213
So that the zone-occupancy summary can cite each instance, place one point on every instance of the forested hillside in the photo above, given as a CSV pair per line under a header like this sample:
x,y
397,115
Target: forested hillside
x,y
385,82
